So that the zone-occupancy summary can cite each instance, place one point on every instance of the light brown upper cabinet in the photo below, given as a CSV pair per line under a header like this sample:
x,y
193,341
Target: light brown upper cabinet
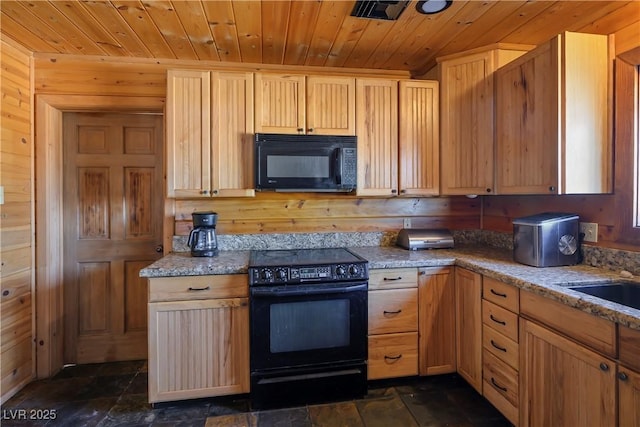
x,y
209,134
377,130
398,137
553,118
289,103
419,143
467,117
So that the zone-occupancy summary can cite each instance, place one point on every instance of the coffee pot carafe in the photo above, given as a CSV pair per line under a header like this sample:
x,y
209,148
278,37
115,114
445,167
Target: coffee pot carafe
x,y
202,239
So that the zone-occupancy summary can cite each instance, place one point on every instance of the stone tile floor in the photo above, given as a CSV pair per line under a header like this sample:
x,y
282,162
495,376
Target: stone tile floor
x,y
115,394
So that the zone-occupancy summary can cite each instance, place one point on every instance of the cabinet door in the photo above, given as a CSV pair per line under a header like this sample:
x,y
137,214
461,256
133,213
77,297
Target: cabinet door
x,y
629,397
437,321
469,326
331,105
467,124
188,133
198,349
563,383
419,149
280,103
377,130
232,134
527,121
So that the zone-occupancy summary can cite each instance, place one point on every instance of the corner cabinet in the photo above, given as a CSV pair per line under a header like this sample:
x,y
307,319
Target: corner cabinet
x,y
198,337
467,117
437,320
292,104
553,118
398,137
209,134
469,326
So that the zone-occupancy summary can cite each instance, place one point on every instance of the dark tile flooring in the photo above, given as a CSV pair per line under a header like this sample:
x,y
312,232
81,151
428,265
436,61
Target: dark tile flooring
x,y
115,394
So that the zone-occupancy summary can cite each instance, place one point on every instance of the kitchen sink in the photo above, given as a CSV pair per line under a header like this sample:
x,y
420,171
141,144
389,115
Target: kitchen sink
x,y
624,293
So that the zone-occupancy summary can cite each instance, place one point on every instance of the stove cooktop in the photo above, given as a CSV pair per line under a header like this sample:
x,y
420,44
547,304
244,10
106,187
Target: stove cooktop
x,y
298,257
294,266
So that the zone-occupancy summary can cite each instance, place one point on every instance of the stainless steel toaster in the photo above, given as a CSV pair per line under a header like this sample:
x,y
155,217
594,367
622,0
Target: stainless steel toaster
x,y
548,239
420,238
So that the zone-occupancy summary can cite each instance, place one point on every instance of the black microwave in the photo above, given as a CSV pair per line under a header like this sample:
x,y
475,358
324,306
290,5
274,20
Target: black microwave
x,y
324,163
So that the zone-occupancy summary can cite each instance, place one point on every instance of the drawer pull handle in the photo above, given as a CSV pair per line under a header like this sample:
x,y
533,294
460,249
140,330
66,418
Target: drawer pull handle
x,y
497,385
502,348
623,376
398,357
496,320
604,366
199,289
392,312
392,278
498,293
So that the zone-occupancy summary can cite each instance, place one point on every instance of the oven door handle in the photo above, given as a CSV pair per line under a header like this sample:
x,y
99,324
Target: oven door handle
x,y
278,291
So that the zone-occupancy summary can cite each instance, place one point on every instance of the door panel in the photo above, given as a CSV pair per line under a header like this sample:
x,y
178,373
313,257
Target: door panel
x,y
113,204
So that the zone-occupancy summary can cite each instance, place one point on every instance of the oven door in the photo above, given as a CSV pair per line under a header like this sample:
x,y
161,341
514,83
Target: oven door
x,y
305,325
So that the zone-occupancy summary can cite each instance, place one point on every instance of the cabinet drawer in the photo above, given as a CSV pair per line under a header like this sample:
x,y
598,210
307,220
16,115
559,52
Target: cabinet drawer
x,y
500,319
502,347
393,355
506,296
393,278
500,386
198,287
393,310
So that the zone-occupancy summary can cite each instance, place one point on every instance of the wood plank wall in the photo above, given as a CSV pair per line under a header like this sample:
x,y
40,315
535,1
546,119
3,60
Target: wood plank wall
x,y
16,223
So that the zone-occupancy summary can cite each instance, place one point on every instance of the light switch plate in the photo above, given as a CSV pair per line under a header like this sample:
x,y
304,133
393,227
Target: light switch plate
x,y
590,231
406,223
1,194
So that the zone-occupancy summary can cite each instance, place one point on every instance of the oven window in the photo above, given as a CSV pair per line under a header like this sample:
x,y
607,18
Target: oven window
x,y
298,166
308,325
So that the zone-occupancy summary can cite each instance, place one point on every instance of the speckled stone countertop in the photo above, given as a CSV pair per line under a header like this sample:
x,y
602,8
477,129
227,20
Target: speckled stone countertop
x,y
552,282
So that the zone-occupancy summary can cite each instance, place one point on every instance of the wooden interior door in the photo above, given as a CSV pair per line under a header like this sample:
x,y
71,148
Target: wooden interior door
x,y
113,210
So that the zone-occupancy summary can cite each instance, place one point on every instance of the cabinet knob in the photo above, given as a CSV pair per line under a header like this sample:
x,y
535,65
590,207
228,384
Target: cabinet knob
x,y
394,191
604,366
488,190
552,188
403,191
204,192
159,249
623,376
300,130
310,130
214,192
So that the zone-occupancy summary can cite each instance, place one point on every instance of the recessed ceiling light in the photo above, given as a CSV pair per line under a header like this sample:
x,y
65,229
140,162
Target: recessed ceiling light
x,y
432,6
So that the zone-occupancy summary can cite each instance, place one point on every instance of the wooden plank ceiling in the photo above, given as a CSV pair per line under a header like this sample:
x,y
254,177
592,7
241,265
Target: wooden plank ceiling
x,y
317,33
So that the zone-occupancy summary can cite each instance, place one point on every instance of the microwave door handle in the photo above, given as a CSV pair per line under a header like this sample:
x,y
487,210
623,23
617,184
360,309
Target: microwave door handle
x,y
338,165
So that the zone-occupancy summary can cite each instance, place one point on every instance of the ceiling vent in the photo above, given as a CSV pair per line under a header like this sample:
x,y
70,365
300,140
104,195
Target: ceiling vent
x,y
373,9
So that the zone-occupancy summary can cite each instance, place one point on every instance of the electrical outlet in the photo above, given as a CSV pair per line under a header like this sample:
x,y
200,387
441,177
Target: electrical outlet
x,y
406,223
590,231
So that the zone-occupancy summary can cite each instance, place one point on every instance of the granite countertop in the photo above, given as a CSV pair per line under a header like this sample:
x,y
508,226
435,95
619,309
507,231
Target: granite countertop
x,y
552,282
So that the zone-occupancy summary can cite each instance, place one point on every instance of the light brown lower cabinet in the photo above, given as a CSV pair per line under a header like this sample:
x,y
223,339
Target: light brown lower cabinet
x,y
469,326
563,383
628,397
437,320
198,347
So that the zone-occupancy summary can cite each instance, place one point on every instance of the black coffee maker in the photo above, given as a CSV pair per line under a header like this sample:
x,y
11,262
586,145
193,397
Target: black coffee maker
x,y
202,239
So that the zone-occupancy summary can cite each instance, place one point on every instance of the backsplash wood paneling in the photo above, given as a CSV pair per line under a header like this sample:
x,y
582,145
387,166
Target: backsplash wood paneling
x,y
306,212
16,228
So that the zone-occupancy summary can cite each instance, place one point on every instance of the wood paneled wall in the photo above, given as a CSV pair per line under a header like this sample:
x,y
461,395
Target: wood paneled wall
x,y
16,222
297,212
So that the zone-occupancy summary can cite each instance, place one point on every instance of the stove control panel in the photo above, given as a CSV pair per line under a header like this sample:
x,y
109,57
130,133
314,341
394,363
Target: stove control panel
x,y
292,275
